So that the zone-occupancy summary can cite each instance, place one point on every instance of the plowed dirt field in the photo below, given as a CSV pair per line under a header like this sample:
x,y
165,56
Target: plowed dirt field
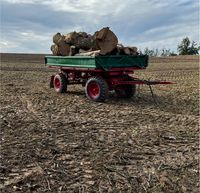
x,y
53,142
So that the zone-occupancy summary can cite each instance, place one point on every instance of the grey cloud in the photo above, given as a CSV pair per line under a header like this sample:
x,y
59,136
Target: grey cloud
x,y
141,23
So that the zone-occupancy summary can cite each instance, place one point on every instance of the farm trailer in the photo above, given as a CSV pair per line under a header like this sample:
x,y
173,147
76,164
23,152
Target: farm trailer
x,y
99,74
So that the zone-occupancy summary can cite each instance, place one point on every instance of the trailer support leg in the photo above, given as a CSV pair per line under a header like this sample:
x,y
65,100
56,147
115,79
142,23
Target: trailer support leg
x,y
152,94
138,90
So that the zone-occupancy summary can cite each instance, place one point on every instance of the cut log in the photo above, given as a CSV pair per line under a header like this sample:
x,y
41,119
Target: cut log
x,y
102,33
103,42
84,51
119,49
92,53
70,38
73,50
83,34
134,50
81,40
64,48
55,50
57,37
106,40
84,43
127,50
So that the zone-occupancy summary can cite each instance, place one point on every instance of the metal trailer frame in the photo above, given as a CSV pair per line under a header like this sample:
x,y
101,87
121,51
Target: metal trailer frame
x,y
98,82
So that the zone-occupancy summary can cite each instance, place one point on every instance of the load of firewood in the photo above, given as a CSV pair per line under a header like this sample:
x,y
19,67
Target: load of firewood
x,y
103,42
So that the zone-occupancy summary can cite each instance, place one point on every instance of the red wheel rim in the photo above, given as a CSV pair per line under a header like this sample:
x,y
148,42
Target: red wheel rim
x,y
93,90
57,83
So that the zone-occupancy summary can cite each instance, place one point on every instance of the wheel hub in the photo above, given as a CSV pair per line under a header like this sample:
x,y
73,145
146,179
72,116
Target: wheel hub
x,y
93,89
57,83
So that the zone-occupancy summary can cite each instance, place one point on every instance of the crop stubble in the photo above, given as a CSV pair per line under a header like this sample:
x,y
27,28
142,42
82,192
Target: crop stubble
x,y
65,143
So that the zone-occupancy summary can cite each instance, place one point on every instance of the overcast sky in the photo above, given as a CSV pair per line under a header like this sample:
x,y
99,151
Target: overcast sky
x,y
28,25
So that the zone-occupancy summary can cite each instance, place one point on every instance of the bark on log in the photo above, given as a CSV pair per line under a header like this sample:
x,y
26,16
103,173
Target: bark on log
x,y
127,51
84,43
64,48
119,49
57,37
81,40
83,34
134,50
55,50
71,37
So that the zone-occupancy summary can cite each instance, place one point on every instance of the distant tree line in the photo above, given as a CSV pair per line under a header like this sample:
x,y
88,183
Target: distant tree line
x,y
186,47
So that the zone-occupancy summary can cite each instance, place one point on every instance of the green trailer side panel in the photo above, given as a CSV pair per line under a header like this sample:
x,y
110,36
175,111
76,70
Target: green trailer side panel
x,y
107,62
69,61
102,62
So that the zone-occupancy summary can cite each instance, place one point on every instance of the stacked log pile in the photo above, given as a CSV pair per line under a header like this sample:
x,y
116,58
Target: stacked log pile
x,y
103,42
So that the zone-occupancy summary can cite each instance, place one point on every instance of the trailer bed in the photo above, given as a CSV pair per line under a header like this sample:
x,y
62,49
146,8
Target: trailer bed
x,y
98,62
99,74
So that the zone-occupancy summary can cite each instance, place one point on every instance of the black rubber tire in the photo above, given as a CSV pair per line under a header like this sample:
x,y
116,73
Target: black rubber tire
x,y
103,89
63,83
125,91
51,85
